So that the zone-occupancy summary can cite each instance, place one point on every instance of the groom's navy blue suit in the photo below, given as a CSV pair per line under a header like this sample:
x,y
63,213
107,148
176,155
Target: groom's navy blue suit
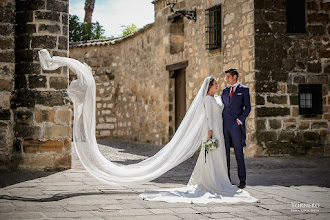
x,y
236,107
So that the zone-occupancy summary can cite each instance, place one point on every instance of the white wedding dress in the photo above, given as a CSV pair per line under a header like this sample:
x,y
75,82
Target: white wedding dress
x,y
209,181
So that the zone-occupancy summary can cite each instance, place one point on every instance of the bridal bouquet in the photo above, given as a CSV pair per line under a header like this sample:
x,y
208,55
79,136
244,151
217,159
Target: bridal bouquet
x,y
210,144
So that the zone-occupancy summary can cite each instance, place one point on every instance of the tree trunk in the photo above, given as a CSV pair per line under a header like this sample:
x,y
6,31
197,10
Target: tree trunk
x,y
89,8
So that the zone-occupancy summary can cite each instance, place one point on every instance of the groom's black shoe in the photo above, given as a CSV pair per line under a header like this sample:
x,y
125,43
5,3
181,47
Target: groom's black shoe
x,y
242,185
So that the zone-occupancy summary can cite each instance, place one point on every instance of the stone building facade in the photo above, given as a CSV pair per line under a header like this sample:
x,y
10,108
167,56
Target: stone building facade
x,y
35,112
146,81
283,62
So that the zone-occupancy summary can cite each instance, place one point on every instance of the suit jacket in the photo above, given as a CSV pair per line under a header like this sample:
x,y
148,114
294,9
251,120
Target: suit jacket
x,y
237,107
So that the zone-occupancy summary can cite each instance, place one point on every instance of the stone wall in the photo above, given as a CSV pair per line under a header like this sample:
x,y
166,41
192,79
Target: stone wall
x,y
135,91
39,128
283,61
7,70
131,96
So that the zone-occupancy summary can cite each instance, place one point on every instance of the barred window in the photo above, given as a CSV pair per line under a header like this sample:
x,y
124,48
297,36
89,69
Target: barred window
x,y
295,14
213,27
310,99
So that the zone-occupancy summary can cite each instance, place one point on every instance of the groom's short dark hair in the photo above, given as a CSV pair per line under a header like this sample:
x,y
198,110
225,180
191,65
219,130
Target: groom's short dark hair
x,y
232,72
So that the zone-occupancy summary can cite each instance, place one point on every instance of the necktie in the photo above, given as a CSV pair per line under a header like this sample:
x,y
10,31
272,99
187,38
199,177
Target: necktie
x,y
231,91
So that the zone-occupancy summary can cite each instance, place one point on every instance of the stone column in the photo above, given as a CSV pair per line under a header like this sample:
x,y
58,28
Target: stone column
x,y
41,107
7,69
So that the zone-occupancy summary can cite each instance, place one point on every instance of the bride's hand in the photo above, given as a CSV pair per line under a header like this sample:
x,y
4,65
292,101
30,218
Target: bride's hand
x,y
210,133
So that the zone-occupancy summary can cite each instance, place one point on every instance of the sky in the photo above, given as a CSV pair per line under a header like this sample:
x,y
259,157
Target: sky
x,y
112,14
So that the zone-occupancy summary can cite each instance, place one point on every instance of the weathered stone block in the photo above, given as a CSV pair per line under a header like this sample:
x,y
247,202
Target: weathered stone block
x,y
36,146
50,16
28,6
65,19
304,125
275,124
57,131
6,85
6,29
318,18
20,83
24,117
262,28
37,81
316,29
7,56
262,76
27,68
289,64
314,67
25,29
63,115
318,125
65,30
267,136
311,136
275,16
24,55
299,79
279,76
260,100
23,42
325,6
63,43
6,43
45,115
278,99
57,6
27,131
320,79
48,42
272,111
312,6
51,98
50,28
294,100
7,15
289,126
5,114
266,87
58,82
62,161
287,136
261,124
24,17
292,89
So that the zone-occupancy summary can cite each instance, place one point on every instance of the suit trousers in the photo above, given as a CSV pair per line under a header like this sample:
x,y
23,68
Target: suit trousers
x,y
233,137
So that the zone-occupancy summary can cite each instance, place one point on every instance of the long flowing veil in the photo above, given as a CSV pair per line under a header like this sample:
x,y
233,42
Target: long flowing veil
x,y
82,92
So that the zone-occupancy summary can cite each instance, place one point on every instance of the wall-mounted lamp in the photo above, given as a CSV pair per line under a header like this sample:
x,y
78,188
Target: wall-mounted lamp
x,y
191,15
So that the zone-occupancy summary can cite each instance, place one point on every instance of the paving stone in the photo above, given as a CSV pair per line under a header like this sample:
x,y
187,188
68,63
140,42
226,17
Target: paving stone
x,y
160,211
22,215
74,194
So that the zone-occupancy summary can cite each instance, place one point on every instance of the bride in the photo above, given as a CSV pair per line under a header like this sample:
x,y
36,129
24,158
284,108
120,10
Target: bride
x,y
209,181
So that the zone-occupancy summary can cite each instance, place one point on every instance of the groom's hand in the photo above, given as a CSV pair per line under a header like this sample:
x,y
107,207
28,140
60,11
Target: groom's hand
x,y
239,123
210,133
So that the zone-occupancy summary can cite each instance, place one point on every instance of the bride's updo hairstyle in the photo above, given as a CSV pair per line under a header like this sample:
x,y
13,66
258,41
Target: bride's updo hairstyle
x,y
211,82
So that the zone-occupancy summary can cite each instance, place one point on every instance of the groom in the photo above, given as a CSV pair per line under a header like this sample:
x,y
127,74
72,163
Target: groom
x,y
236,99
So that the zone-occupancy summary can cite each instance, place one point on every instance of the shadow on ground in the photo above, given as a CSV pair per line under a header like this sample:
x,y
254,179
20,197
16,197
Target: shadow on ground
x,y
11,178
263,171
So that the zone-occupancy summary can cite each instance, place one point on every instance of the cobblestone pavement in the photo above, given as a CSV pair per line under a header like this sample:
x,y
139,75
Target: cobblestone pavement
x,y
286,187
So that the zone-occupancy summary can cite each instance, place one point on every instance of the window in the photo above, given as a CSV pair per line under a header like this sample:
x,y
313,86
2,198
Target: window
x,y
310,99
213,27
295,14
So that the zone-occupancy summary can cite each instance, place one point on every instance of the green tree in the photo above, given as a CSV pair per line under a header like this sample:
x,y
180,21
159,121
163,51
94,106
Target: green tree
x,y
81,31
129,29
